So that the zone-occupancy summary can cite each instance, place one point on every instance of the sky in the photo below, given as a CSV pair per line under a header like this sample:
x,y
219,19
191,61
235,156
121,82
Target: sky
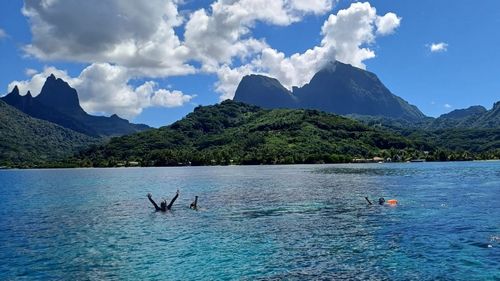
x,y
153,61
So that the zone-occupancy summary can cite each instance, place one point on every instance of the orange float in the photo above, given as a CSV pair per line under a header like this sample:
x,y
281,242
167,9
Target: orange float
x,y
392,202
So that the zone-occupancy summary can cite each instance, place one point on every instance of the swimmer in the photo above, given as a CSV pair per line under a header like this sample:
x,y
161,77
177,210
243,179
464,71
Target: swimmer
x,y
163,205
381,201
194,205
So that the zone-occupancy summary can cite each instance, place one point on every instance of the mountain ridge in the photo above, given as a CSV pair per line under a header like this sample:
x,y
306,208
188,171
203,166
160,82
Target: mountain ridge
x,y
337,88
238,133
58,102
26,141
475,116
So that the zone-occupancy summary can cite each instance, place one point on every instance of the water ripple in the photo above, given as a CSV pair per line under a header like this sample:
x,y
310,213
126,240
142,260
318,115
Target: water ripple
x,y
255,223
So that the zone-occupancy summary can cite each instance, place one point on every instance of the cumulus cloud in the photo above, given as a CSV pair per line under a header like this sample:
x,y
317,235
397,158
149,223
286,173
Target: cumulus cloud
x,y
105,89
438,47
217,36
137,39
30,72
347,36
388,23
312,6
136,34
229,78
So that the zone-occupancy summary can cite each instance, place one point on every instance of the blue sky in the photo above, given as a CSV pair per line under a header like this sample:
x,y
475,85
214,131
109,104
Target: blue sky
x,y
463,73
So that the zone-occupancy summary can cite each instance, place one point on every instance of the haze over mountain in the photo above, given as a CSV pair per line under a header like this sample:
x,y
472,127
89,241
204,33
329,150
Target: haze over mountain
x,y
337,88
59,103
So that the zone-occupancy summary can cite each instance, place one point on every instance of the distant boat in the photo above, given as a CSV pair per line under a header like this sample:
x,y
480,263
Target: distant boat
x,y
417,160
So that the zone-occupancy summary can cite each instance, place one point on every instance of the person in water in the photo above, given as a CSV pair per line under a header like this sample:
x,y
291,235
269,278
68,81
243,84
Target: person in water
x,y
381,201
163,205
194,205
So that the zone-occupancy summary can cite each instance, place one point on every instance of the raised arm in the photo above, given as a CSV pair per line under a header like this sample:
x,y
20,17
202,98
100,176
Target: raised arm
x,y
153,202
194,205
173,200
368,200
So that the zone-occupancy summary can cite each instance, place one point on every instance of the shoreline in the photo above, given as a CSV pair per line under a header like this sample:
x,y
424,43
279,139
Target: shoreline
x,y
240,165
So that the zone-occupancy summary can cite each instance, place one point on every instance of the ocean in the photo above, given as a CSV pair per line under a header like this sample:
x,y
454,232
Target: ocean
x,y
297,222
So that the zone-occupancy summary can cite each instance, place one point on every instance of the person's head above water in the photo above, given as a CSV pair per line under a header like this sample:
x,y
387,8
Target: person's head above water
x,y
163,204
381,201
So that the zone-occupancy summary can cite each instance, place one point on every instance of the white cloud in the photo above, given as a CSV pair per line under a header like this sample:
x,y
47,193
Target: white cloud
x,y
167,98
312,6
2,33
438,47
229,78
30,72
217,36
122,43
105,89
136,34
346,37
446,105
388,23
352,29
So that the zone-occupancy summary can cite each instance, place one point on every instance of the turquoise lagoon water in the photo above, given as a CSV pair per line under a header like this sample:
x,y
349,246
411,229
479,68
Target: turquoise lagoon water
x,y
306,222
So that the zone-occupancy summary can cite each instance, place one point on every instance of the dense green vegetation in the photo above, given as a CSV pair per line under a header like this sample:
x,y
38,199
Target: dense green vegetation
x,y
472,118
442,144
30,142
236,133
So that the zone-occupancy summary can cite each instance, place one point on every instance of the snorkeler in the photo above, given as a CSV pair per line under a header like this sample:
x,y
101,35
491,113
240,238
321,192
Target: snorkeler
x,y
194,205
163,205
381,201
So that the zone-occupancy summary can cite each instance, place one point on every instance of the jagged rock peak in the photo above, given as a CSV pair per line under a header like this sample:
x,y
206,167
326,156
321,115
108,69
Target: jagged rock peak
x,y
496,105
15,91
115,116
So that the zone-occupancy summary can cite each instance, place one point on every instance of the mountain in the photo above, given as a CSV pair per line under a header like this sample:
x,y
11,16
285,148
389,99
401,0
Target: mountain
x,y
254,89
26,141
337,88
59,103
464,113
490,118
34,108
238,133
472,118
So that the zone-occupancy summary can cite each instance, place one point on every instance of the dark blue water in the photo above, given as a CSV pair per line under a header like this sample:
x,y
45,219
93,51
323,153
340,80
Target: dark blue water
x,y
255,223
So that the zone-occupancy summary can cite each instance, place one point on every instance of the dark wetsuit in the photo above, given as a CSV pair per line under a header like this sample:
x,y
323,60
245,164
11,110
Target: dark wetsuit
x,y
164,207
194,205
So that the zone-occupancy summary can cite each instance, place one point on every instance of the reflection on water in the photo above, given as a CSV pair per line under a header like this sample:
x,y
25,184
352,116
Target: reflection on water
x,y
255,223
